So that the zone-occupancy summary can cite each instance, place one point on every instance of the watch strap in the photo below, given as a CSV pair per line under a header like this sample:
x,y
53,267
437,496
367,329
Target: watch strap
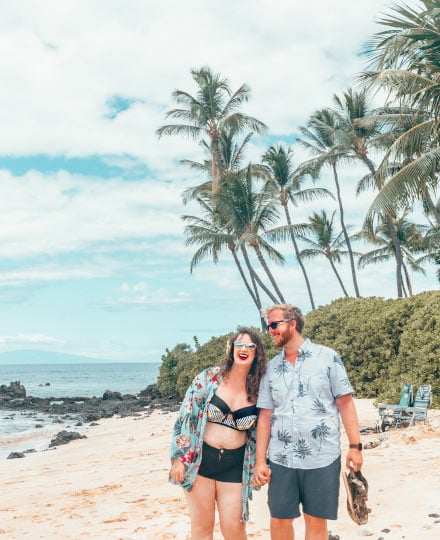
x,y
358,446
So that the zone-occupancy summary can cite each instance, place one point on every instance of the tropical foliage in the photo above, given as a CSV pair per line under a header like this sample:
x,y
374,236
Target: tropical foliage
x,y
384,344
249,212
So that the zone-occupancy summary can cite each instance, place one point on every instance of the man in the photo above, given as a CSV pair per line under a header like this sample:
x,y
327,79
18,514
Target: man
x,y
302,394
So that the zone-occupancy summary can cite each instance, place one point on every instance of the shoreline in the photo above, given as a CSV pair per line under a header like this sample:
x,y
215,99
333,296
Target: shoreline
x,y
28,420
113,485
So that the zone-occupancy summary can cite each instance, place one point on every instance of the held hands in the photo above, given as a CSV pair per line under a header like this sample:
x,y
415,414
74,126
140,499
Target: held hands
x,y
261,474
177,470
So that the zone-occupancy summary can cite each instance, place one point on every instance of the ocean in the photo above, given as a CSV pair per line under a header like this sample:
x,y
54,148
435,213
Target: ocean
x,y
20,430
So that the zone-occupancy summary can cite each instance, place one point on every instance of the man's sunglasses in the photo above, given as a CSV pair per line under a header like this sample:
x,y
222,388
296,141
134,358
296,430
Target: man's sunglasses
x,y
248,346
274,324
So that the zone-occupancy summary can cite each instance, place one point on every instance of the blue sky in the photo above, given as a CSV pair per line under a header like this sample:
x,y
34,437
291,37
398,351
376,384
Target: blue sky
x,y
93,260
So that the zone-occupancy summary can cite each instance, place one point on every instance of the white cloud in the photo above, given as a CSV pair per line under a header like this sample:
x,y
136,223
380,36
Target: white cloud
x,y
63,67
30,339
143,295
62,213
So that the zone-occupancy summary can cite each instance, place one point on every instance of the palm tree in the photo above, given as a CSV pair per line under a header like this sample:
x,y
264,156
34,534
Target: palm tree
x,y
250,212
405,62
215,108
320,138
359,129
324,241
212,235
285,182
410,239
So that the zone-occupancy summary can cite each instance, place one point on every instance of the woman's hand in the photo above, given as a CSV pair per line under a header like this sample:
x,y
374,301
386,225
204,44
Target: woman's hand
x,y
261,474
177,470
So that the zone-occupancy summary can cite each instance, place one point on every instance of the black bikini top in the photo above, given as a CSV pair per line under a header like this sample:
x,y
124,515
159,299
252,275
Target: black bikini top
x,y
242,419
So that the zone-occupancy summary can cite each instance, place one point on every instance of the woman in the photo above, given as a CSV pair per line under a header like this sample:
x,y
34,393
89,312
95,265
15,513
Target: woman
x,y
213,443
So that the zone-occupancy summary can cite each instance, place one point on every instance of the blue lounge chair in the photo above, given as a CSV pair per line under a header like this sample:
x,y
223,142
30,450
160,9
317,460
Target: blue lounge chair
x,y
419,410
395,415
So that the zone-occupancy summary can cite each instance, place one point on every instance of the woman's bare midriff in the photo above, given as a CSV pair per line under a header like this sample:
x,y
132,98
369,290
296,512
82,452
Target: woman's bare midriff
x,y
225,437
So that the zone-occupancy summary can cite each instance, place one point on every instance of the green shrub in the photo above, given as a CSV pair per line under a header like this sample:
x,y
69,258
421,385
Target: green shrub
x,y
167,379
384,344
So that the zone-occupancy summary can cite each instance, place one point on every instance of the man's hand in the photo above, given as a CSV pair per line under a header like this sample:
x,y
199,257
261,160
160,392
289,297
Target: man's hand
x,y
177,470
262,474
354,459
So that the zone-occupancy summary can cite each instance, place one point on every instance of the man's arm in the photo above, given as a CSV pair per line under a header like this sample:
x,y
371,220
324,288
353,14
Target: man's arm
x,y
347,410
262,471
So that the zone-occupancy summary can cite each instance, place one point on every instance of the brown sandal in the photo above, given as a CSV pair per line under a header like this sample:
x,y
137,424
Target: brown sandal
x,y
356,486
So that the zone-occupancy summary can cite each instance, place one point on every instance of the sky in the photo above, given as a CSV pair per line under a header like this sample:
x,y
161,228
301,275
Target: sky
x,y
92,254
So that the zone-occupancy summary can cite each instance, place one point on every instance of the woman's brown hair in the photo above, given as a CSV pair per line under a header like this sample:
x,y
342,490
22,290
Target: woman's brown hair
x,y
258,367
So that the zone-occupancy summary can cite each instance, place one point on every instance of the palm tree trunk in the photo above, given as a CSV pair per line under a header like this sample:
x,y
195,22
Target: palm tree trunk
x,y
216,165
408,281
332,264
248,287
268,272
298,256
257,277
344,230
214,171
393,233
397,253
255,287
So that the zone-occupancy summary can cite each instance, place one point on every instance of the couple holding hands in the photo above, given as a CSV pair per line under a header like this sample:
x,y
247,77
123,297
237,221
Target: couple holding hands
x,y
248,422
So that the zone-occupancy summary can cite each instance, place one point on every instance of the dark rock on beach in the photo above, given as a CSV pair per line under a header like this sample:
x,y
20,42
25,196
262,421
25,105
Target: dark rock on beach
x,y
151,392
13,391
15,455
84,409
64,437
109,394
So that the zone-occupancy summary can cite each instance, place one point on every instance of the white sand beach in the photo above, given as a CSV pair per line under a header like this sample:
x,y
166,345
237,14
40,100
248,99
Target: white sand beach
x,y
113,486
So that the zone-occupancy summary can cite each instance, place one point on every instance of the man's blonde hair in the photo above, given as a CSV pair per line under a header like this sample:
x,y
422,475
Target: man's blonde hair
x,y
290,312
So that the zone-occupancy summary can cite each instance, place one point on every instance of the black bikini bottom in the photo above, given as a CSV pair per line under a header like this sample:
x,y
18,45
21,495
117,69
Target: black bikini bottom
x,y
221,464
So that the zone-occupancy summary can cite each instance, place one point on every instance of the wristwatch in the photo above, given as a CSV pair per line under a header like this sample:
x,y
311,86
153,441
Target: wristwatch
x,y
358,446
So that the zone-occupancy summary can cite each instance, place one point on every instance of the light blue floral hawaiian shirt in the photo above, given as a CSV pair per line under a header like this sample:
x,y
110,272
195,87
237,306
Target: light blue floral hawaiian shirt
x,y
189,429
305,432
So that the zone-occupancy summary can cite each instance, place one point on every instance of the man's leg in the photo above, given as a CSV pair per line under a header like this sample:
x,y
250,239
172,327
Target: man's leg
x,y
316,528
281,529
283,501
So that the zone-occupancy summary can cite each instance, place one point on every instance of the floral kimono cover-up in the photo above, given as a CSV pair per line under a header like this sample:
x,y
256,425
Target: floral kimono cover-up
x,y
189,429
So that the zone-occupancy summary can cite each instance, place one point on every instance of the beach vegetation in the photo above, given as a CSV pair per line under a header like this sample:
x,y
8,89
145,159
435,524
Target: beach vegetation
x,y
383,343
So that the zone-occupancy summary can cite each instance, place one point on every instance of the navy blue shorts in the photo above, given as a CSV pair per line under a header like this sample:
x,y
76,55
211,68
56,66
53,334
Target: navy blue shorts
x,y
221,464
316,489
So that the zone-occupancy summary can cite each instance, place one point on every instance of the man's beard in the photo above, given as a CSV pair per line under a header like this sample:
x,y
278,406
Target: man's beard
x,y
284,338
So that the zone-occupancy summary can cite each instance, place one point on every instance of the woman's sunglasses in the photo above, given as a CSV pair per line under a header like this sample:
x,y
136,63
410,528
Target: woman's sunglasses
x,y
248,346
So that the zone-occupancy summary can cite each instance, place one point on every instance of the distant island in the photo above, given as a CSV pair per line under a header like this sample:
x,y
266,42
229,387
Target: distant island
x,y
30,356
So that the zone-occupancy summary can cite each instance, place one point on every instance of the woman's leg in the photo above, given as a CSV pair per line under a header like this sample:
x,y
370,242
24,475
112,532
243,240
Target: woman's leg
x,y
228,495
201,505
